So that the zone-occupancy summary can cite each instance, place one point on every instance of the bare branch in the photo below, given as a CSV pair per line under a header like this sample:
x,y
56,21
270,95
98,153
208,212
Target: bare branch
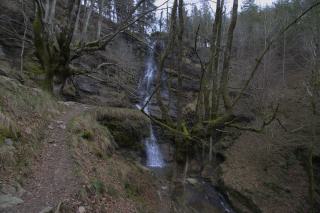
x,y
257,130
102,42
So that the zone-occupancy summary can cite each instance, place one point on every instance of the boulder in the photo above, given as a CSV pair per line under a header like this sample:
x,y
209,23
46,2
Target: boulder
x,y
128,126
8,200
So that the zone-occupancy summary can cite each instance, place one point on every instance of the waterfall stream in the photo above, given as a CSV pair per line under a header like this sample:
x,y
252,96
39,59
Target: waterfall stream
x,y
154,155
202,197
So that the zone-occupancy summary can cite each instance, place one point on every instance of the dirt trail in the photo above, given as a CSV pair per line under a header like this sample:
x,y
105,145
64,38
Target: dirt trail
x,y
52,179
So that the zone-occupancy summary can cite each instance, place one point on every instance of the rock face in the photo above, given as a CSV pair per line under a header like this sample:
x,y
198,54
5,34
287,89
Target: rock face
x,y
113,84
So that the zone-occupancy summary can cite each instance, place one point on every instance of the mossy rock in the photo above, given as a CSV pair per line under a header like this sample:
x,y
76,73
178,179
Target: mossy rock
x,y
128,126
89,135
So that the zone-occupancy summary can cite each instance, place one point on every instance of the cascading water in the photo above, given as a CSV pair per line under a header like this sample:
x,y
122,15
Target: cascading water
x,y
154,155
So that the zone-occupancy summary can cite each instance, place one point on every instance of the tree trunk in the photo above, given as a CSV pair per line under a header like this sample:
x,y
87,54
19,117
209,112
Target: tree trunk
x,y
180,55
47,11
52,12
163,57
77,27
215,96
87,21
101,5
53,49
227,55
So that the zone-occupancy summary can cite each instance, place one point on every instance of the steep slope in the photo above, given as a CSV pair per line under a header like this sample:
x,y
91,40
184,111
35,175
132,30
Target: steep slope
x,y
56,155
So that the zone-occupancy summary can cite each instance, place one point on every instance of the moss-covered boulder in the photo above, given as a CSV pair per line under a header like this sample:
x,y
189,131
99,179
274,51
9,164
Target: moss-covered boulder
x,y
128,126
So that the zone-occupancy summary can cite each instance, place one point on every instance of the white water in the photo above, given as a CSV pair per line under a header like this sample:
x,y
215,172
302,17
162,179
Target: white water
x,y
154,155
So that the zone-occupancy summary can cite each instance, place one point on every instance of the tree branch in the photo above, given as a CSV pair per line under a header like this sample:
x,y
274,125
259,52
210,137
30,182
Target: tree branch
x,y
257,130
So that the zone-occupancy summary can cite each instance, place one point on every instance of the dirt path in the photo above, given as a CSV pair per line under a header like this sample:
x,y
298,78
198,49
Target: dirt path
x,y
52,179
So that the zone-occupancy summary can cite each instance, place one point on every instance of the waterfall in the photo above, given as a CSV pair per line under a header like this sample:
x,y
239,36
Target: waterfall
x,y
154,155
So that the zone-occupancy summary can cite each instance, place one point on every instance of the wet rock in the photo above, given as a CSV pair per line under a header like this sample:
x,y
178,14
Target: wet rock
x,y
8,200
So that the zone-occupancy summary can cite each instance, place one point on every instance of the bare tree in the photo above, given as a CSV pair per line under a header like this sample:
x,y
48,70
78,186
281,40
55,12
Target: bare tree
x,y
54,48
163,57
87,20
100,8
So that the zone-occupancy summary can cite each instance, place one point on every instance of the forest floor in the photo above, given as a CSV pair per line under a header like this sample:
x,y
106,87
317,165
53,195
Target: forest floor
x,y
53,179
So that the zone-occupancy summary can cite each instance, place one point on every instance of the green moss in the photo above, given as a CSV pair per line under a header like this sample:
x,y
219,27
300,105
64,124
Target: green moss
x,y
276,188
127,126
112,191
8,132
32,67
87,134
132,190
98,186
